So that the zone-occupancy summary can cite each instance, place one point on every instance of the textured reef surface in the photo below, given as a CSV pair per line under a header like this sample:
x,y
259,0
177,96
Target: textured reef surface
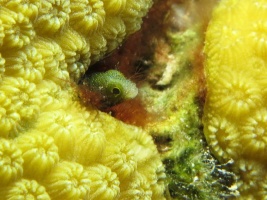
x,y
177,112
51,146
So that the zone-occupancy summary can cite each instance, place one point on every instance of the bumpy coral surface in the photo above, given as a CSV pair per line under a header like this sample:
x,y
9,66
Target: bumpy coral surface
x,y
235,112
51,147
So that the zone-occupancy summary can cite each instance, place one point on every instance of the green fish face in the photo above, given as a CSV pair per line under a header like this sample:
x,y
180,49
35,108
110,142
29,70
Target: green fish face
x,y
112,85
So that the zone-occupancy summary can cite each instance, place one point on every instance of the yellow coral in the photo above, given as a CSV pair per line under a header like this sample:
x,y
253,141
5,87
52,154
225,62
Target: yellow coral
x,y
224,134
28,9
53,16
54,60
18,29
68,180
114,7
26,63
237,97
76,50
51,95
24,189
258,38
39,152
137,188
114,34
252,185
9,118
120,159
254,137
105,183
98,46
11,161
235,117
2,34
87,20
90,144
21,102
51,146
133,13
62,127
2,65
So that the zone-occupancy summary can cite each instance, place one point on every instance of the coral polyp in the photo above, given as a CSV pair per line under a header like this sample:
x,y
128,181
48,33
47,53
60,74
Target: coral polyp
x,y
18,29
87,20
105,183
72,175
236,98
254,135
26,63
24,189
11,162
39,152
52,17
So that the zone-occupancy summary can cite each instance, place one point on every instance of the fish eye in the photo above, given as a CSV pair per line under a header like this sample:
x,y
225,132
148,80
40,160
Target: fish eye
x,y
116,91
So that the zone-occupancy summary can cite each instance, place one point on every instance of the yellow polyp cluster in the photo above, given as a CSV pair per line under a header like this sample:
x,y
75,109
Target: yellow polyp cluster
x,y
114,7
51,146
53,16
139,189
24,189
72,175
55,65
105,183
17,29
76,51
26,63
87,20
120,158
235,114
90,145
39,152
11,161
131,9
110,32
72,25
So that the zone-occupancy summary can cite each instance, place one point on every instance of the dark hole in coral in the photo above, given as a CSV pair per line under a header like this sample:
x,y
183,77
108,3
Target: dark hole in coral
x,y
159,87
163,143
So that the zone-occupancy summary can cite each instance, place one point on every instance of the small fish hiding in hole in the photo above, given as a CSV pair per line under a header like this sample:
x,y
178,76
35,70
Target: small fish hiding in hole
x,y
106,89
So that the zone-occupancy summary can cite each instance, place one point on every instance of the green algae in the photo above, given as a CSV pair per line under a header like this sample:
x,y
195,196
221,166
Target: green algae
x,y
192,172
